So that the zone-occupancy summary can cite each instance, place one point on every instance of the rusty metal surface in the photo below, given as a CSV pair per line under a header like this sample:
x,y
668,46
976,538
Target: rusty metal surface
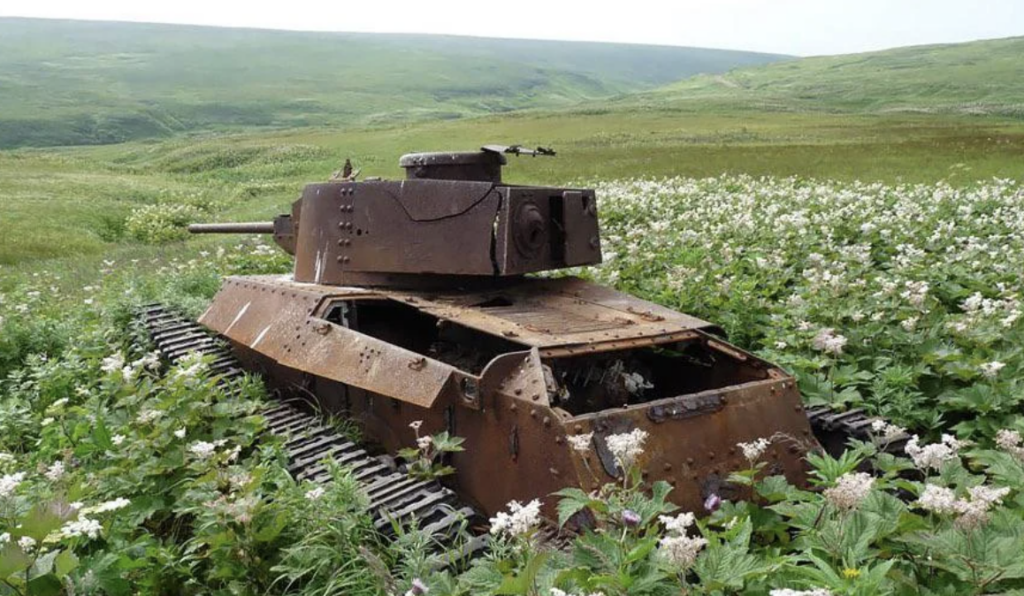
x,y
418,226
505,411
567,312
451,217
280,324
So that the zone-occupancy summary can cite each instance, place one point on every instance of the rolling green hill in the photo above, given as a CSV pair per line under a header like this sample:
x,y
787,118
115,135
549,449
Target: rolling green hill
x,y
981,78
78,82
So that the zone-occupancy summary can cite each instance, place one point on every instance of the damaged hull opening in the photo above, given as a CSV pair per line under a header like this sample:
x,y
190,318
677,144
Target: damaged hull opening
x,y
587,383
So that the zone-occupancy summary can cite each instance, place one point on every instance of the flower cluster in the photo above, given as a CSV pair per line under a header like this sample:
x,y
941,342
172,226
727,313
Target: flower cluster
x,y
678,548
581,442
886,431
827,340
972,511
850,490
10,482
754,449
626,447
935,455
1011,442
205,449
519,521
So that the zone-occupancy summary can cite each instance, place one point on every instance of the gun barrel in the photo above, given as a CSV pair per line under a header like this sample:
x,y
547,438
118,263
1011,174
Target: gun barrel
x,y
258,227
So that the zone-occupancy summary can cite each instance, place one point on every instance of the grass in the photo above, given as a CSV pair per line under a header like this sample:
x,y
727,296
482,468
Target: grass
x,y
68,82
72,202
978,78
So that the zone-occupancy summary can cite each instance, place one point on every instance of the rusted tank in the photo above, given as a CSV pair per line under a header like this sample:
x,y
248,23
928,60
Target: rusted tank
x,y
412,300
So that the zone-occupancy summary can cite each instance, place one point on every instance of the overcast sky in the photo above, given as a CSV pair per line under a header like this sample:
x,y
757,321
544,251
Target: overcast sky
x,y
802,27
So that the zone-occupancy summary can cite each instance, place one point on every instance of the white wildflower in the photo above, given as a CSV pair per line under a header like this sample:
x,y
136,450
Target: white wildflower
x,y
991,369
681,550
55,472
1010,442
113,363
887,431
580,443
827,340
190,367
46,421
77,505
934,455
9,482
117,439
205,449
5,538
26,543
415,425
974,512
314,494
149,415
938,500
679,523
626,447
118,503
83,526
519,520
424,443
150,361
754,449
180,433
58,404
850,490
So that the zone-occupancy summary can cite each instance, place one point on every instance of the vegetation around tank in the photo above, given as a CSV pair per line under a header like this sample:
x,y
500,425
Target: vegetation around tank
x,y
875,255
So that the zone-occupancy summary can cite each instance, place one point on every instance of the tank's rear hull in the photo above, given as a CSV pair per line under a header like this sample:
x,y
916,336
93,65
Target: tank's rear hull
x,y
515,371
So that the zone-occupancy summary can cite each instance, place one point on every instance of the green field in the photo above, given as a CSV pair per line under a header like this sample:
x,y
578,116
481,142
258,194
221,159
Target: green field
x,y
68,83
68,203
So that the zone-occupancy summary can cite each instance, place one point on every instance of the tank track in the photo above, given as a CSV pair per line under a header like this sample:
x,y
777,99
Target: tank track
x,y
395,498
834,429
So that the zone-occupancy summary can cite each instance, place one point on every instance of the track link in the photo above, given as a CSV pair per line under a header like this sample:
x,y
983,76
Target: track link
x,y
834,429
395,498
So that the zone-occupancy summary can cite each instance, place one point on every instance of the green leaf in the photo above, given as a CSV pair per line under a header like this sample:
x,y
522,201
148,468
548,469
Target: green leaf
x,y
524,582
45,585
574,500
728,566
272,529
642,549
13,560
101,436
41,521
65,563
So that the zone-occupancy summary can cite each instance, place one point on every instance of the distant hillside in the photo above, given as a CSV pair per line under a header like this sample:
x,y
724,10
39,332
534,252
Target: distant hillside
x,y
79,82
982,77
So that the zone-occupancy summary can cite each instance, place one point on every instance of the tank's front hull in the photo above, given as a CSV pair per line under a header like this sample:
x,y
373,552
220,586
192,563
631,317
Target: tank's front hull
x,y
517,370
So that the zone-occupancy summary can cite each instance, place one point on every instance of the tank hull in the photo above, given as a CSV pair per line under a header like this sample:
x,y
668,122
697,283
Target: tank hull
x,y
517,369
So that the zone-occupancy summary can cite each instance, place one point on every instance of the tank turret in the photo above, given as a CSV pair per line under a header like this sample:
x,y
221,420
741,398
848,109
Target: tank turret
x,y
451,218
